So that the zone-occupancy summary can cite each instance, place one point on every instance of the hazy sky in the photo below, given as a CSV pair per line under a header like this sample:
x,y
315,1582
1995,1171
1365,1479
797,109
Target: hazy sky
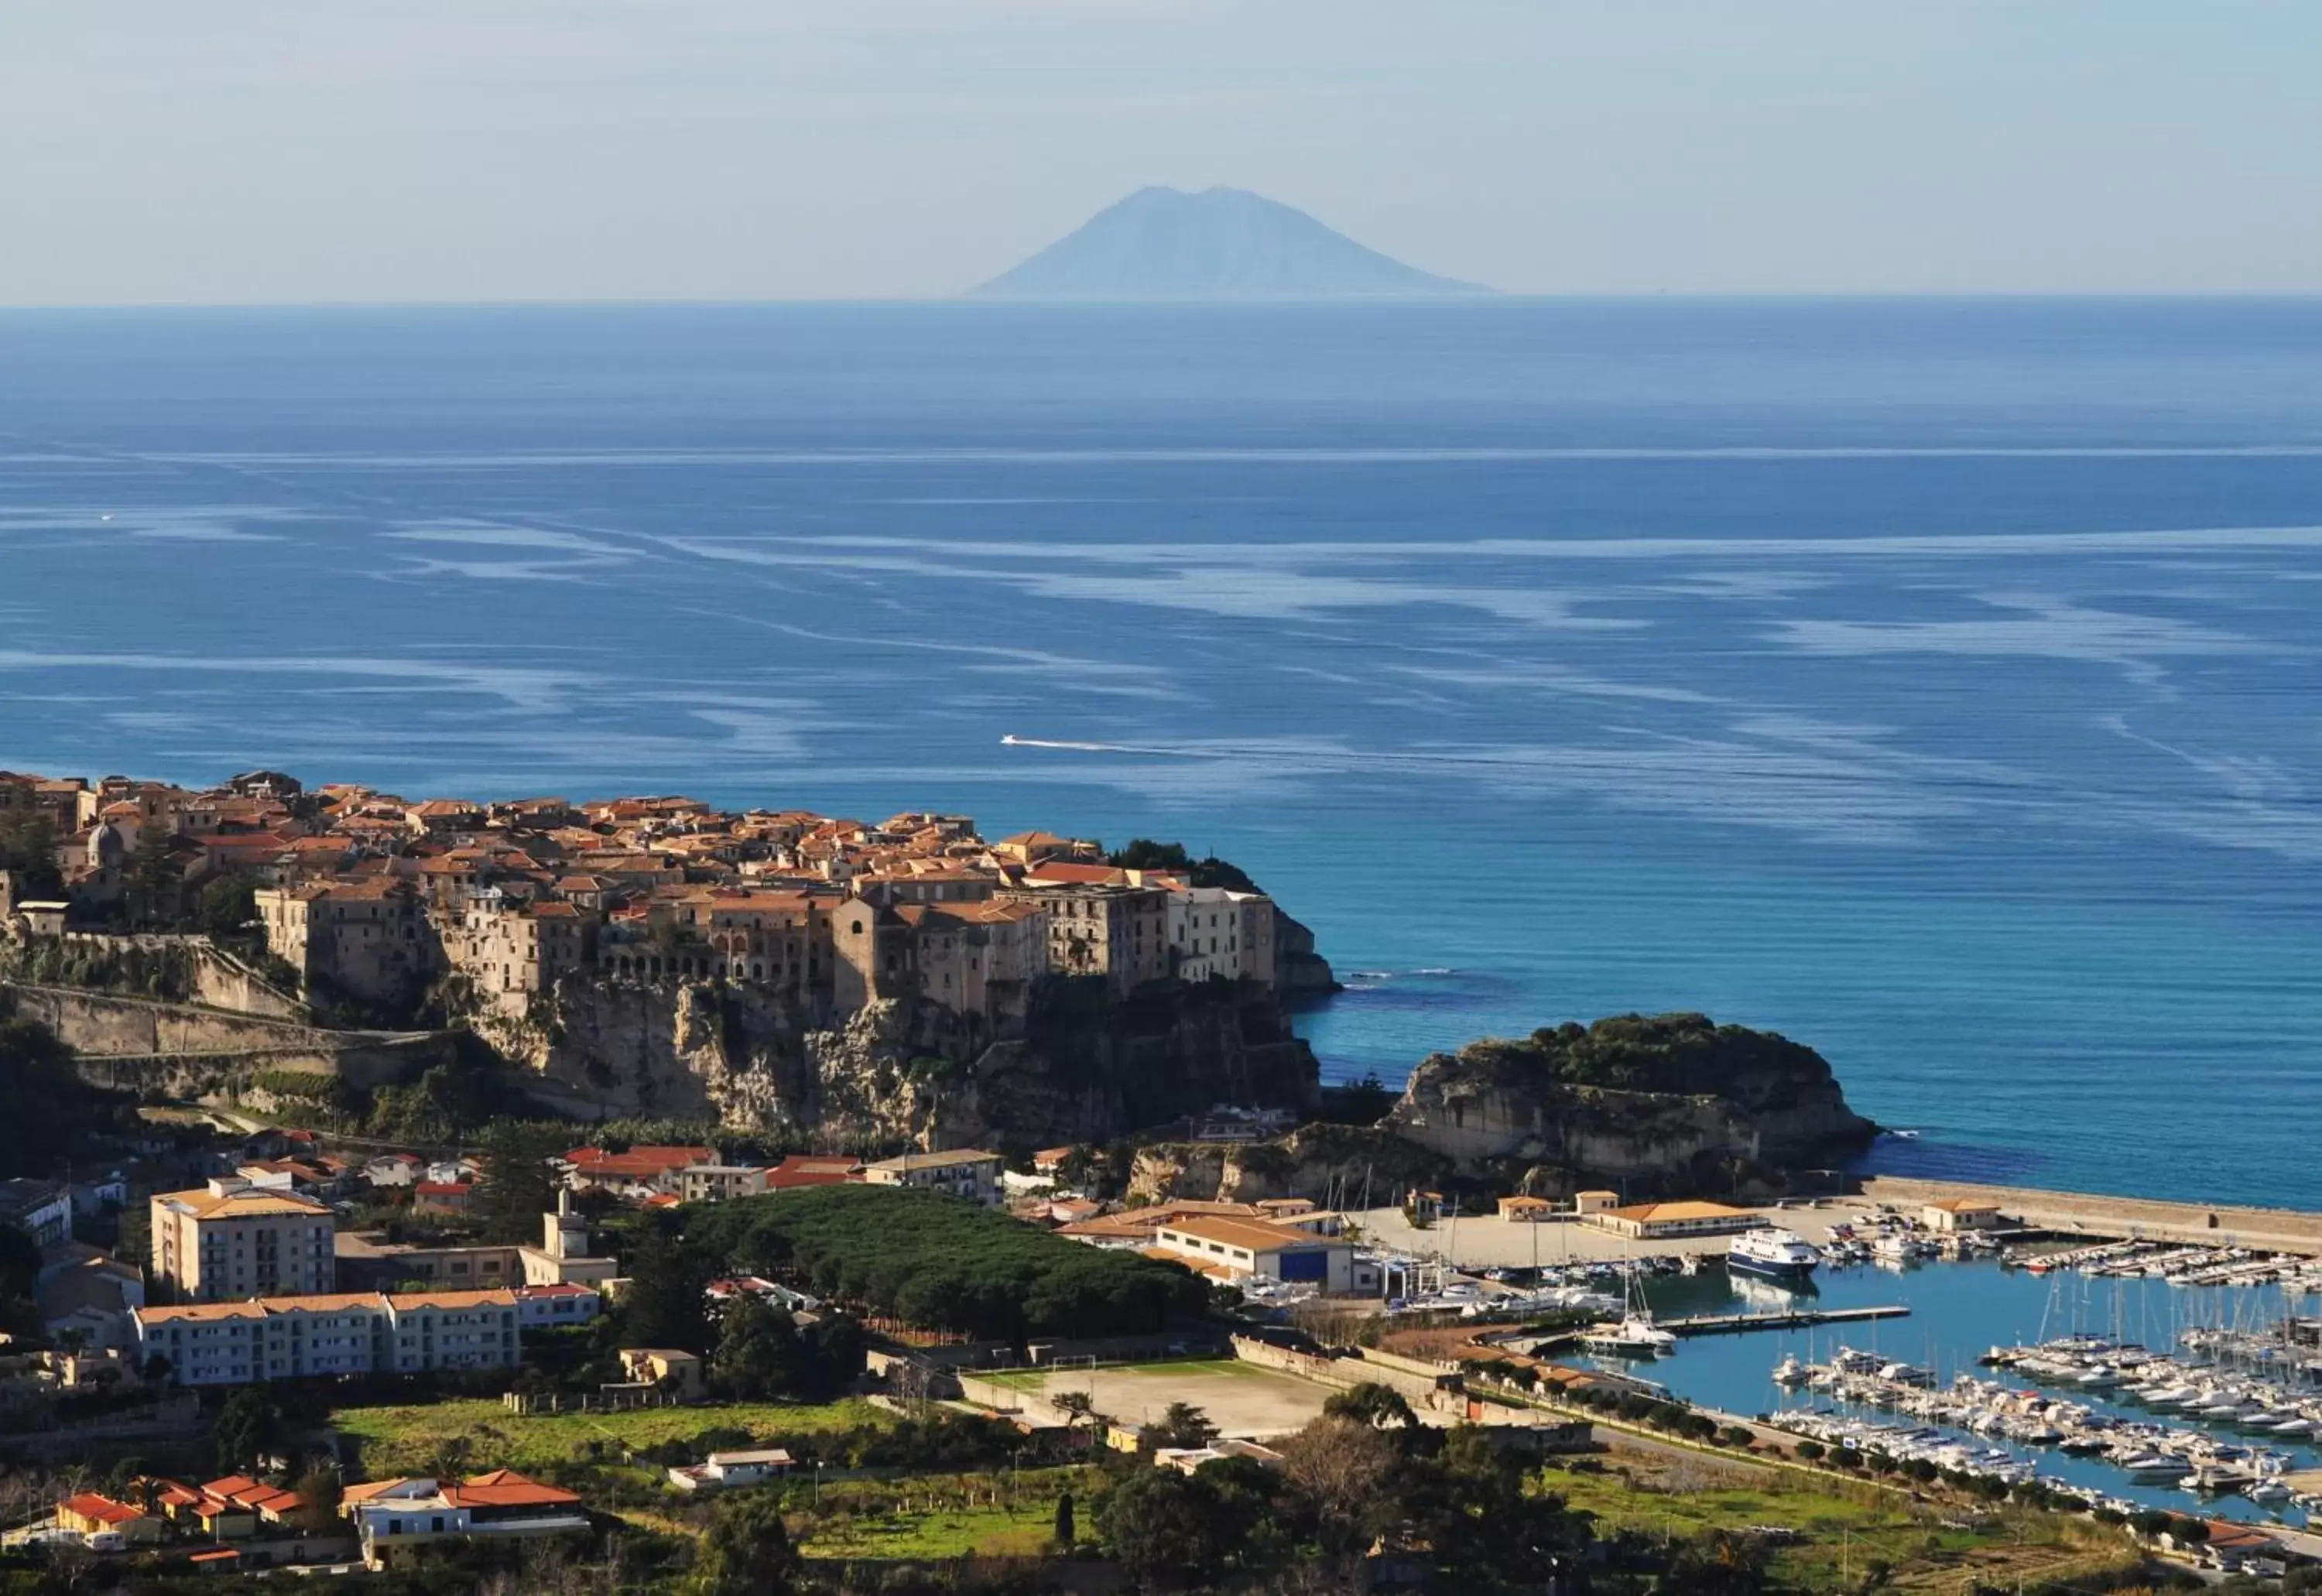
x,y
329,150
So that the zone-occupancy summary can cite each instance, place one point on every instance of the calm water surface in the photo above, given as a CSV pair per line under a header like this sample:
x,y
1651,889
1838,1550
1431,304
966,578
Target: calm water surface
x,y
1936,683
1959,1311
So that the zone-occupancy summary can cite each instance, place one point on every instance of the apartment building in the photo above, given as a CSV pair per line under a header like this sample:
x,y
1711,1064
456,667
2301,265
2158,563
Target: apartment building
x,y
966,1172
229,1240
1218,934
296,1337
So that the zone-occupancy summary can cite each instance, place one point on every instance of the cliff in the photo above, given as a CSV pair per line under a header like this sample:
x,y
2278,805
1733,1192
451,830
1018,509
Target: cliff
x,y
1089,1065
1672,1104
1300,974
1631,1096
1341,1164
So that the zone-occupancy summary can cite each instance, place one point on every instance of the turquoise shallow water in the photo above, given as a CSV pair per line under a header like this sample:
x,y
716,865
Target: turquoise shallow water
x,y
1934,683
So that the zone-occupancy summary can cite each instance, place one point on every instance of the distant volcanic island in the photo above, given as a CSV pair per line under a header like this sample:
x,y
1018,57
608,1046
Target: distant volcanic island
x,y
1222,243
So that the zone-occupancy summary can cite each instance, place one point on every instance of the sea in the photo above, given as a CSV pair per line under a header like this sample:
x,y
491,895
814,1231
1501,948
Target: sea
x,y
1935,682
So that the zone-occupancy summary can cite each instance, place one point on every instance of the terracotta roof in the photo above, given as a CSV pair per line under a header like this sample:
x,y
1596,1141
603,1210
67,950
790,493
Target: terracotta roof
x,y
1255,1234
88,1504
1669,1212
505,1487
253,1203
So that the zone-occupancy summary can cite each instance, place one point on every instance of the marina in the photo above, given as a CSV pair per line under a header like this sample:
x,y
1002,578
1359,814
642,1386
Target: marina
x,y
2116,1385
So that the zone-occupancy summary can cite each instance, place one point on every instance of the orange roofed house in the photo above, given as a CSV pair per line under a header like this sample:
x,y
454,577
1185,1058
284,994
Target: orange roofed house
x,y
398,1518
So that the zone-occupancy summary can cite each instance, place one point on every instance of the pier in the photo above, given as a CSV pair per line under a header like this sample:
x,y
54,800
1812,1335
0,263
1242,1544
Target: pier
x,y
1735,1324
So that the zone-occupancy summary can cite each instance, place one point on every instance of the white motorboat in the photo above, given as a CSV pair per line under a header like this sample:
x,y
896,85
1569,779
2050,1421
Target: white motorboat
x,y
1635,1337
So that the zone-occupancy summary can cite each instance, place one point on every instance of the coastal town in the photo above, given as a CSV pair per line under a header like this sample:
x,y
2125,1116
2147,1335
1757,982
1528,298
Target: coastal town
x,y
369,896
249,1331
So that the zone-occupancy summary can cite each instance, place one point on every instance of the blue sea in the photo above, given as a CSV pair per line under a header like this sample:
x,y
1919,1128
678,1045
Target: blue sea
x,y
1935,682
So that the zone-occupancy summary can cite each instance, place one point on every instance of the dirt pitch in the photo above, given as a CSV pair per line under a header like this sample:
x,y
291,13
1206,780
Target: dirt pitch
x,y
1243,1401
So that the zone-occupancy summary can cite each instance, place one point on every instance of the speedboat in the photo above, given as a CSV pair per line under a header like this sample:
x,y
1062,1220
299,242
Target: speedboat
x,y
1782,1255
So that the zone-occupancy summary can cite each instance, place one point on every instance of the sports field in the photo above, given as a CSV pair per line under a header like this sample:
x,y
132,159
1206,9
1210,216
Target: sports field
x,y
1243,1401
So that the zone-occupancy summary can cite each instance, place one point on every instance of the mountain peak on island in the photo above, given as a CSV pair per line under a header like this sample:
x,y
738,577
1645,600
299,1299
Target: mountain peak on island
x,y
1222,243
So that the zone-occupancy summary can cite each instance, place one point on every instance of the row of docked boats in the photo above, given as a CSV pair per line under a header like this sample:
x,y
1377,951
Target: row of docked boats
x,y
2190,1459
2213,1393
2178,1265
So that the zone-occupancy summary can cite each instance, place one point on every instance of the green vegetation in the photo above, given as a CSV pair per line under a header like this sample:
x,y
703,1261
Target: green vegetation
x,y
163,972
1669,1052
939,1517
1843,1531
52,1115
28,850
940,1263
406,1439
1145,853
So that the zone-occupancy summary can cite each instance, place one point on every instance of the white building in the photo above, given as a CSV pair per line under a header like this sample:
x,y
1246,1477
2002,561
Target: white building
x,y
725,1470
1252,1249
966,1172
352,1333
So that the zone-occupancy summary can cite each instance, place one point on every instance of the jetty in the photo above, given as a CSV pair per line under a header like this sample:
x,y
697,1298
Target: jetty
x,y
1735,1324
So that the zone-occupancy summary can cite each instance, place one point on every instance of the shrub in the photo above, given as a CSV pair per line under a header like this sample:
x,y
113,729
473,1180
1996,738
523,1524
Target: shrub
x,y
1809,1450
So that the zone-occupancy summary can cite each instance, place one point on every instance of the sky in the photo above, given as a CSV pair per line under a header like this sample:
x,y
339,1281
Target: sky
x,y
302,151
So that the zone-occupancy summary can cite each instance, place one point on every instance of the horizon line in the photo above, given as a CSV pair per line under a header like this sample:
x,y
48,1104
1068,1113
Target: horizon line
x,y
970,299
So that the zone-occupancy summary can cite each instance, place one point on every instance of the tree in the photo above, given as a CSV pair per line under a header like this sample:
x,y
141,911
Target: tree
x,y
245,1429
319,1494
1339,1468
662,1306
758,1353
28,852
747,1550
154,880
1145,853
1163,1527
1372,1403
516,1186
227,907
50,1112
1075,1405
1066,1528
1181,1425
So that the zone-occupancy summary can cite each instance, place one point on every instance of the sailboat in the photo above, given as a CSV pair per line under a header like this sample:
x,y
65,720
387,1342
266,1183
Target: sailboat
x,y
1636,1335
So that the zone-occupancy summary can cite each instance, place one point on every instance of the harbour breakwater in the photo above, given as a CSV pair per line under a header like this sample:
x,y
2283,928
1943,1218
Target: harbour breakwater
x,y
2276,1230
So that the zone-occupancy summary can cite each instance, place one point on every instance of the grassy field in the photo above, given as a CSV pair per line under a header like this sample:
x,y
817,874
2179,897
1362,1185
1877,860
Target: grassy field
x,y
1843,1531
406,1439
941,1517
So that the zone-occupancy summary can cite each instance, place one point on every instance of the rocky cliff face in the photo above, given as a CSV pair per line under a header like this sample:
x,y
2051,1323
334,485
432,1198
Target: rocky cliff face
x,y
1630,1097
1088,1066
1341,1163
1300,974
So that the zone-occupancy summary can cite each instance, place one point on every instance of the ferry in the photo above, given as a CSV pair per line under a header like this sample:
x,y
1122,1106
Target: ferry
x,y
1782,1254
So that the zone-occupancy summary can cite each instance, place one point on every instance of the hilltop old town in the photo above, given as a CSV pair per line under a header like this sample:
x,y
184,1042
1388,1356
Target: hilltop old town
x,y
370,896
285,1288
